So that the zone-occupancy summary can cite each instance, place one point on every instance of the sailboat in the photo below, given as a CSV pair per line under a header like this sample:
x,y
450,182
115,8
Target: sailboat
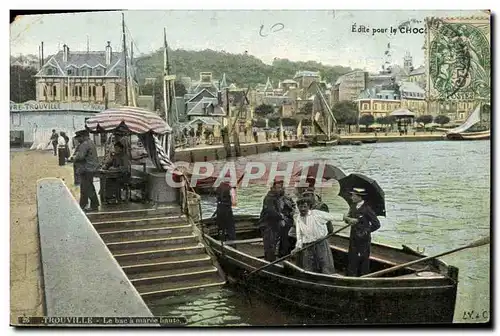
x,y
328,118
300,138
460,132
282,147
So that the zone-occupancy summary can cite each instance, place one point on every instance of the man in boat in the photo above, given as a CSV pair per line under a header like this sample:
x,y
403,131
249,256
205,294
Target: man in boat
x,y
315,200
119,165
286,243
272,219
310,226
364,221
86,159
224,212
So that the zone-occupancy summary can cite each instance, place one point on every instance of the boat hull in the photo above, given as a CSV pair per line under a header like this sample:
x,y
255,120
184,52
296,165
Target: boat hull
x,y
369,141
301,145
469,136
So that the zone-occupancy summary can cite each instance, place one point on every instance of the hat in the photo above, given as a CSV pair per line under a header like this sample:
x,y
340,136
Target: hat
x,y
82,132
278,181
359,191
303,200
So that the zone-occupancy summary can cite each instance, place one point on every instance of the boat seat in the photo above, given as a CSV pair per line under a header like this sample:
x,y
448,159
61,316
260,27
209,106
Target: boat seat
x,y
373,257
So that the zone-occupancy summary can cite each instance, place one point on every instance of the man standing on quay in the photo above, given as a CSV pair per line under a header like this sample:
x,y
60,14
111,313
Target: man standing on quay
x,y
86,158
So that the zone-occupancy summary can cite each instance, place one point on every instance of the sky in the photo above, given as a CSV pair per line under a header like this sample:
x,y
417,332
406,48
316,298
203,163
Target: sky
x,y
319,35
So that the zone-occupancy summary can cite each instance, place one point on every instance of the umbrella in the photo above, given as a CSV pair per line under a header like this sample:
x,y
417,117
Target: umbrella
x,y
127,118
375,197
329,171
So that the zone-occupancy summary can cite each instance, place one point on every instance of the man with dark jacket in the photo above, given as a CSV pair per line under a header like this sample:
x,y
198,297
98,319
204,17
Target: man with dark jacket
x,y
286,243
86,158
272,219
225,219
364,221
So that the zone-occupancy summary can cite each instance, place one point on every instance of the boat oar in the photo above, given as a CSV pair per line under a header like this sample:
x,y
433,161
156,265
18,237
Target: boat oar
x,y
302,249
477,243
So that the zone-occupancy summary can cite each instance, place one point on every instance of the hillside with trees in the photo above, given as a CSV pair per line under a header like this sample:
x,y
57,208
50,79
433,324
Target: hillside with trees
x,y
241,69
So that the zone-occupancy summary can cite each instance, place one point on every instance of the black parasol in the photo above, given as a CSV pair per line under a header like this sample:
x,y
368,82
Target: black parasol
x,y
375,195
329,172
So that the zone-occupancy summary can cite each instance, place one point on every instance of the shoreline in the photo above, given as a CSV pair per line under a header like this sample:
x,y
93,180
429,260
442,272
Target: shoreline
x,y
394,137
218,152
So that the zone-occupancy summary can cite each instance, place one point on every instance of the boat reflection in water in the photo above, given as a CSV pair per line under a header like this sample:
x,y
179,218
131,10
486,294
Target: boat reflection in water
x,y
422,293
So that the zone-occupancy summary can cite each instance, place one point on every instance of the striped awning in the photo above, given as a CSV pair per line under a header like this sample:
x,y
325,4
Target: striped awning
x,y
127,118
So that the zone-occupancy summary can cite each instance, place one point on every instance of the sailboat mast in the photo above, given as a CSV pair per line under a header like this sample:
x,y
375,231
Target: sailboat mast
x,y
165,74
125,59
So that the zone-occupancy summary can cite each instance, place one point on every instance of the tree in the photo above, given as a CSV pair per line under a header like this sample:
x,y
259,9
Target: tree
x,y
346,113
22,83
241,69
441,120
274,122
264,110
289,122
260,123
307,108
425,119
367,120
382,121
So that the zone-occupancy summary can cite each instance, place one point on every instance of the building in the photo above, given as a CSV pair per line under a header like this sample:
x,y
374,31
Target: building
x,y
265,89
203,104
83,76
349,86
417,76
288,84
206,82
378,102
33,121
413,98
305,78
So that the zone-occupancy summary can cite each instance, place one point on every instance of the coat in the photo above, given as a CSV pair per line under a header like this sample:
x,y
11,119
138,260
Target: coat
x,y
86,157
272,208
367,223
224,209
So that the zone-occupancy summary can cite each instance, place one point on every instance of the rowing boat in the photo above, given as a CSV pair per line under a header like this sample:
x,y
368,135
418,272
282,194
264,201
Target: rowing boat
x,y
423,293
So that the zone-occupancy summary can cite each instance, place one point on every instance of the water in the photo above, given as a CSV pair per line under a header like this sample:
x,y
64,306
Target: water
x,y
437,199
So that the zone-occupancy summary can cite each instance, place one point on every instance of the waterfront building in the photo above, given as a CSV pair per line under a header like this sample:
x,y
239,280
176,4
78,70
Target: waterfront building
x,y
378,102
413,98
85,77
349,86
32,121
